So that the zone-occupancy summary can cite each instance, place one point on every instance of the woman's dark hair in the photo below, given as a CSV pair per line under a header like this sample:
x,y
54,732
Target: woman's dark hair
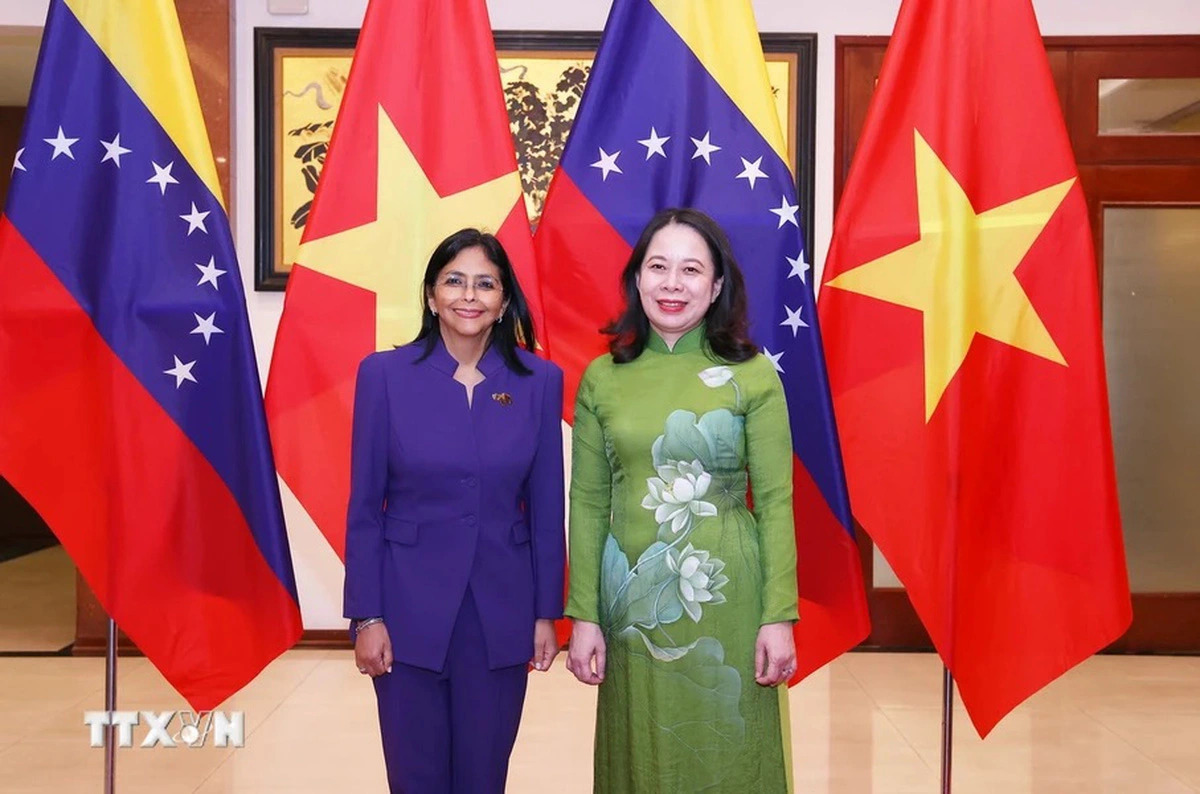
x,y
515,328
726,325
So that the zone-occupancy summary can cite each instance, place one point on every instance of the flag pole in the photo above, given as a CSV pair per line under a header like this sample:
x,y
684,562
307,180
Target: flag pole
x,y
947,726
110,706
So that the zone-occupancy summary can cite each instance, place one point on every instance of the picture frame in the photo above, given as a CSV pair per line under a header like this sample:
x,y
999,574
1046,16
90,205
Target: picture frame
x,y
300,73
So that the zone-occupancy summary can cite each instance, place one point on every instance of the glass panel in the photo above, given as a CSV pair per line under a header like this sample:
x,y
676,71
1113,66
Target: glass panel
x,y
1151,333
1150,106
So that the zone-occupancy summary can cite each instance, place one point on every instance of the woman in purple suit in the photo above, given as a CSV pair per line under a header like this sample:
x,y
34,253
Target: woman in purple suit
x,y
454,539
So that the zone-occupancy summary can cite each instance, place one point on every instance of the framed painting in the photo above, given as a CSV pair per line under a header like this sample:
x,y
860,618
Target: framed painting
x,y
300,78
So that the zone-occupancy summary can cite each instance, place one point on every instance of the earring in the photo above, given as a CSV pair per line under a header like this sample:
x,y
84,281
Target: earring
x,y
434,312
499,319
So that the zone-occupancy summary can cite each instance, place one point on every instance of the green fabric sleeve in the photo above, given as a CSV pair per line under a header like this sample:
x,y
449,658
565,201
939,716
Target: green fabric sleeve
x,y
591,504
769,449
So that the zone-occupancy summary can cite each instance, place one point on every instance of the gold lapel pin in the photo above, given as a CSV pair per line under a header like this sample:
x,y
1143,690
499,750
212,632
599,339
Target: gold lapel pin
x,y
504,398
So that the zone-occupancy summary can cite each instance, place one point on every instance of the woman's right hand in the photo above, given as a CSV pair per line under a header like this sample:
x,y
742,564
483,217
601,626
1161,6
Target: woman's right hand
x,y
585,655
373,650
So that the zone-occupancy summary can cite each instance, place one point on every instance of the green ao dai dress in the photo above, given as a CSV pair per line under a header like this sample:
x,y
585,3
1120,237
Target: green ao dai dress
x,y
666,556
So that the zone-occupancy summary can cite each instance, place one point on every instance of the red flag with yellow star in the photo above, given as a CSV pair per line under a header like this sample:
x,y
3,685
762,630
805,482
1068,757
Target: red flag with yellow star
x,y
421,148
962,332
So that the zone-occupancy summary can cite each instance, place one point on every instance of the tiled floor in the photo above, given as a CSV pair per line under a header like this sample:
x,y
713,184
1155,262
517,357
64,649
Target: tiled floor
x,y
867,723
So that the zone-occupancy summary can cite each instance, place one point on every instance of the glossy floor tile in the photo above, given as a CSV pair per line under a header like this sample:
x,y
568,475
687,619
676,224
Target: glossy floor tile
x,y
867,724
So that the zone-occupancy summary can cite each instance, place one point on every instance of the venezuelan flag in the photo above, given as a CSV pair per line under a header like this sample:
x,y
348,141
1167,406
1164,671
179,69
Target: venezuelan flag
x,y
130,408
678,112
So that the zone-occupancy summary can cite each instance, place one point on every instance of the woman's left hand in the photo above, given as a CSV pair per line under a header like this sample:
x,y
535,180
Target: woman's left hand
x,y
545,644
774,654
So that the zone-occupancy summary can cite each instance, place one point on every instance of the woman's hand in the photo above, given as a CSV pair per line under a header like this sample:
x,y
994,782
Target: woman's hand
x,y
373,650
585,656
774,654
545,644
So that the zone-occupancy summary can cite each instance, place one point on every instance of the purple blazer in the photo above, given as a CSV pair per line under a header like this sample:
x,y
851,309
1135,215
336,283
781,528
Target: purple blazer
x,y
444,496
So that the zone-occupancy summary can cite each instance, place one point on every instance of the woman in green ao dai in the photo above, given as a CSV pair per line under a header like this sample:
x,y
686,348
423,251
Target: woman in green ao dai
x,y
682,595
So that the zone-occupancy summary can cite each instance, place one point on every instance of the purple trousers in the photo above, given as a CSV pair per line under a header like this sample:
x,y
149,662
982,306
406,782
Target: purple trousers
x,y
451,732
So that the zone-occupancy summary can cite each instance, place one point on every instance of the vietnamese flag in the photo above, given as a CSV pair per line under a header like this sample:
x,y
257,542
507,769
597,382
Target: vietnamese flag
x,y
962,332
421,148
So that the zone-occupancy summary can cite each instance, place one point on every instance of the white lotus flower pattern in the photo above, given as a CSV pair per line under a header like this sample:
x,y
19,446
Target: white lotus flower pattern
x,y
671,577
718,376
715,377
700,579
676,494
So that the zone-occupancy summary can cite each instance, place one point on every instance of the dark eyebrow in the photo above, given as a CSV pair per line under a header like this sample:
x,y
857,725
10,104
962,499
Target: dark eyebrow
x,y
688,259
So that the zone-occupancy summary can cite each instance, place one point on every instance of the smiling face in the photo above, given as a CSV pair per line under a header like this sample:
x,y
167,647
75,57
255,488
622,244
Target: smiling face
x,y
677,281
467,296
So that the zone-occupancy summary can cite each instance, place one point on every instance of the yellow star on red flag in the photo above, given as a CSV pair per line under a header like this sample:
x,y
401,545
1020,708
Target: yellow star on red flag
x,y
961,272
388,255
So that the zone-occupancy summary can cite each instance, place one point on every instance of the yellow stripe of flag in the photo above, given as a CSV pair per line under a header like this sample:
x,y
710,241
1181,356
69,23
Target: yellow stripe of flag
x,y
143,41
724,36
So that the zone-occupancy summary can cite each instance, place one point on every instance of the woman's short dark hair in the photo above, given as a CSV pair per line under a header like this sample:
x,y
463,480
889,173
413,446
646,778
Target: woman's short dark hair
x,y
726,324
515,328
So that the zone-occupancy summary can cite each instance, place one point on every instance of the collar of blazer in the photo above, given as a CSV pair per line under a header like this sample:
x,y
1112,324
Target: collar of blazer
x,y
440,358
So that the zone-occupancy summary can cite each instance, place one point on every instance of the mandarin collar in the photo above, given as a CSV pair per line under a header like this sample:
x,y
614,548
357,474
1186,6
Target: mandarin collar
x,y
688,343
489,364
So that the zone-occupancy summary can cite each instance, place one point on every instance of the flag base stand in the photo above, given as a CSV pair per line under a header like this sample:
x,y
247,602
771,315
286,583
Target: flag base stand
x,y
110,705
947,727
